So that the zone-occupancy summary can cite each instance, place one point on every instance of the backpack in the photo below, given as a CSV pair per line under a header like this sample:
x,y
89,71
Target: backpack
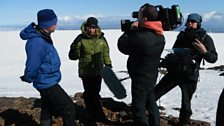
x,y
180,61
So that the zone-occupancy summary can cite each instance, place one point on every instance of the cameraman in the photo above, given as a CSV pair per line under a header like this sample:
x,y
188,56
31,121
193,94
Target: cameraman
x,y
144,43
202,46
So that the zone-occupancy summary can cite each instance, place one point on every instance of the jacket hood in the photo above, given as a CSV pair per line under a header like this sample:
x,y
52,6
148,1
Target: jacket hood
x,y
155,26
83,27
29,32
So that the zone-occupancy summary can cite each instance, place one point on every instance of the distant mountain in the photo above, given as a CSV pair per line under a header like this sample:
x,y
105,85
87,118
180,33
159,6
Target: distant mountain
x,y
109,25
11,27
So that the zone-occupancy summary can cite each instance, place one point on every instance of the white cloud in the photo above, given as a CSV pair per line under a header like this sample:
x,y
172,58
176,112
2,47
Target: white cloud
x,y
213,16
76,18
67,18
104,21
210,17
211,20
70,19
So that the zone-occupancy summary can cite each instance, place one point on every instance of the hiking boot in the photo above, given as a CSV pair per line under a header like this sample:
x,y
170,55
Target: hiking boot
x,y
106,121
184,125
90,123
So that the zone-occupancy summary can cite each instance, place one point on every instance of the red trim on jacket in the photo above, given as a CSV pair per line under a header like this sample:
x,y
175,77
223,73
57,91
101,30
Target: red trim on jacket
x,y
155,26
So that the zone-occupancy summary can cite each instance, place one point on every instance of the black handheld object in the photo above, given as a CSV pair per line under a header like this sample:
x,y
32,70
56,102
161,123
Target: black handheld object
x,y
113,82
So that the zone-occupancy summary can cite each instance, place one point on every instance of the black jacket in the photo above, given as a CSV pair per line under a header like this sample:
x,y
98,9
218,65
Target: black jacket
x,y
144,47
186,38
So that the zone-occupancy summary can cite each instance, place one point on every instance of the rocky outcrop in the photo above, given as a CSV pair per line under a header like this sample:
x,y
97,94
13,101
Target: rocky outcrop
x,y
22,111
219,68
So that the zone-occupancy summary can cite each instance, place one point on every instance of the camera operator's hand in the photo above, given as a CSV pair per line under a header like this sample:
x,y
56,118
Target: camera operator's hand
x,y
199,46
134,24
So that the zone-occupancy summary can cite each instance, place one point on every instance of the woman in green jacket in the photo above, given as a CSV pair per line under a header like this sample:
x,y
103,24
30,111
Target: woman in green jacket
x,y
91,49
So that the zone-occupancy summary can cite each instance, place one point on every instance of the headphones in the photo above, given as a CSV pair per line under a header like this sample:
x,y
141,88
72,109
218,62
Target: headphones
x,y
150,12
145,8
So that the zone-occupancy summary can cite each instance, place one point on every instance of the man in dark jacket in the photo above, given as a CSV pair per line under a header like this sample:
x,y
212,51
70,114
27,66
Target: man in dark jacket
x,y
92,51
220,110
144,43
202,47
43,70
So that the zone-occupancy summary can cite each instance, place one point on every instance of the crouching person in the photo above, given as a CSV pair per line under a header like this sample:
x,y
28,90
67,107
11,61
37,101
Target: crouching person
x,y
43,69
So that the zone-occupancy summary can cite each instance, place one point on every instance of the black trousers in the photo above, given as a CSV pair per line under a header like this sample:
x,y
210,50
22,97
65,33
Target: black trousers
x,y
170,81
220,110
56,102
92,87
143,99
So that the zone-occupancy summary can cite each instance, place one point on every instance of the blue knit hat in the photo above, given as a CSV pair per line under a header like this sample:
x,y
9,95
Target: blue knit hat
x,y
46,18
195,16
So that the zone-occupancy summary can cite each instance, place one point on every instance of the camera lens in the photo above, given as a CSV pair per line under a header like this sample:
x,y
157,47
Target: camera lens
x,y
135,14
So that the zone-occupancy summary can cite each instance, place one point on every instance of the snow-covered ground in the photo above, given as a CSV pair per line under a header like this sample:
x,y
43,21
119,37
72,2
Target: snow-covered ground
x,y
12,53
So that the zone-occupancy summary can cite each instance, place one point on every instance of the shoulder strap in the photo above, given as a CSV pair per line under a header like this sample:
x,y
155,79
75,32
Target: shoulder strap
x,y
203,37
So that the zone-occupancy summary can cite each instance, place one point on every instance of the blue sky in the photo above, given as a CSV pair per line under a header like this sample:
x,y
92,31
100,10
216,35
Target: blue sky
x,y
19,12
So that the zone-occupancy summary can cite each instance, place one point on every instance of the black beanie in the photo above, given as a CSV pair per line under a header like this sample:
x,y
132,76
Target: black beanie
x,y
150,12
92,22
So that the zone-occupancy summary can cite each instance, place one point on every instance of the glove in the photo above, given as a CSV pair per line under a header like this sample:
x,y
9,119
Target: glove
x,y
22,78
109,65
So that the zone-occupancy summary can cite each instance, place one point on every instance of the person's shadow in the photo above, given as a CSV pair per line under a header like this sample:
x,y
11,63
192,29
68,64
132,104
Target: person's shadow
x,y
13,116
123,115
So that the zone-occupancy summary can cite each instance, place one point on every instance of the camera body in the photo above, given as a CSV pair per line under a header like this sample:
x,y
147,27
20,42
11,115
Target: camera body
x,y
171,18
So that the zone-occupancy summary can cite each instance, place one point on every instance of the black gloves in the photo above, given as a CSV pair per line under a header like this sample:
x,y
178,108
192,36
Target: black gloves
x,y
109,65
23,79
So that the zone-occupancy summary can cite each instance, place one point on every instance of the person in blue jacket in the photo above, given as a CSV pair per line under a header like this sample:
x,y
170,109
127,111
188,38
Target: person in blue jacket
x,y
43,69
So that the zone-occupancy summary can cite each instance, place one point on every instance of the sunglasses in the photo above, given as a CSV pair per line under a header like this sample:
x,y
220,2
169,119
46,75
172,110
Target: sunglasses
x,y
192,21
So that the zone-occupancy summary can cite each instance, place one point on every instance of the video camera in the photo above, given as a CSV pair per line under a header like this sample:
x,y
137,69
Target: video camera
x,y
170,18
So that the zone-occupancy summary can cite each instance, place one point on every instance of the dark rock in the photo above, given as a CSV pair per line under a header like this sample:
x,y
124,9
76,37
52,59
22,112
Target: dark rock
x,y
222,74
22,111
220,68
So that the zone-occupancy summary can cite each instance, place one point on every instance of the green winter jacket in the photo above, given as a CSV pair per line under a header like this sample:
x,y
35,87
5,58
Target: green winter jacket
x,y
92,53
